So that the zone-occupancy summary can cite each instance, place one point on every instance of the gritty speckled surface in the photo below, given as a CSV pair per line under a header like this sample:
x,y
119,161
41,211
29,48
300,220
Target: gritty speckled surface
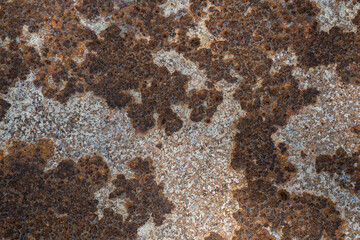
x,y
180,119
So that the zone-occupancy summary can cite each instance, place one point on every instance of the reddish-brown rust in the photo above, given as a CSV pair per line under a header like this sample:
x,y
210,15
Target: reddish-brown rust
x,y
340,164
60,203
214,236
4,106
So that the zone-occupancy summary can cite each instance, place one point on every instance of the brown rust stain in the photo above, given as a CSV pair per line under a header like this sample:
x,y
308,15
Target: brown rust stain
x,y
203,104
15,14
4,106
126,64
64,43
93,9
343,168
60,203
145,197
214,236
15,63
268,108
303,216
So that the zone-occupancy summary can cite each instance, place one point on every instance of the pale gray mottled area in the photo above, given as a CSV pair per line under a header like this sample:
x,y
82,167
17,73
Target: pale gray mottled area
x,y
337,13
175,7
321,129
174,61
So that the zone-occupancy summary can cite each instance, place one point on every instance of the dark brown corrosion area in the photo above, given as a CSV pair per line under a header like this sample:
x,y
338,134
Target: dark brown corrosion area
x,y
61,202
343,168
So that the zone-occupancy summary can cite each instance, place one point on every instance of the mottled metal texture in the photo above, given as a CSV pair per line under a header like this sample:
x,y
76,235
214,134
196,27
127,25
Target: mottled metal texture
x,y
180,119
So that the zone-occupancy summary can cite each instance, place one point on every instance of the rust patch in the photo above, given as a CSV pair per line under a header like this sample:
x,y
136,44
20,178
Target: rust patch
x,y
263,204
127,65
203,104
214,236
4,106
145,197
15,14
60,203
343,168
93,9
15,63
268,107
304,216
64,45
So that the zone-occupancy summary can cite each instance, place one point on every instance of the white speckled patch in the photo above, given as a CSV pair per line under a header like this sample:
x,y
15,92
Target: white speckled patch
x,y
321,129
174,61
337,13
